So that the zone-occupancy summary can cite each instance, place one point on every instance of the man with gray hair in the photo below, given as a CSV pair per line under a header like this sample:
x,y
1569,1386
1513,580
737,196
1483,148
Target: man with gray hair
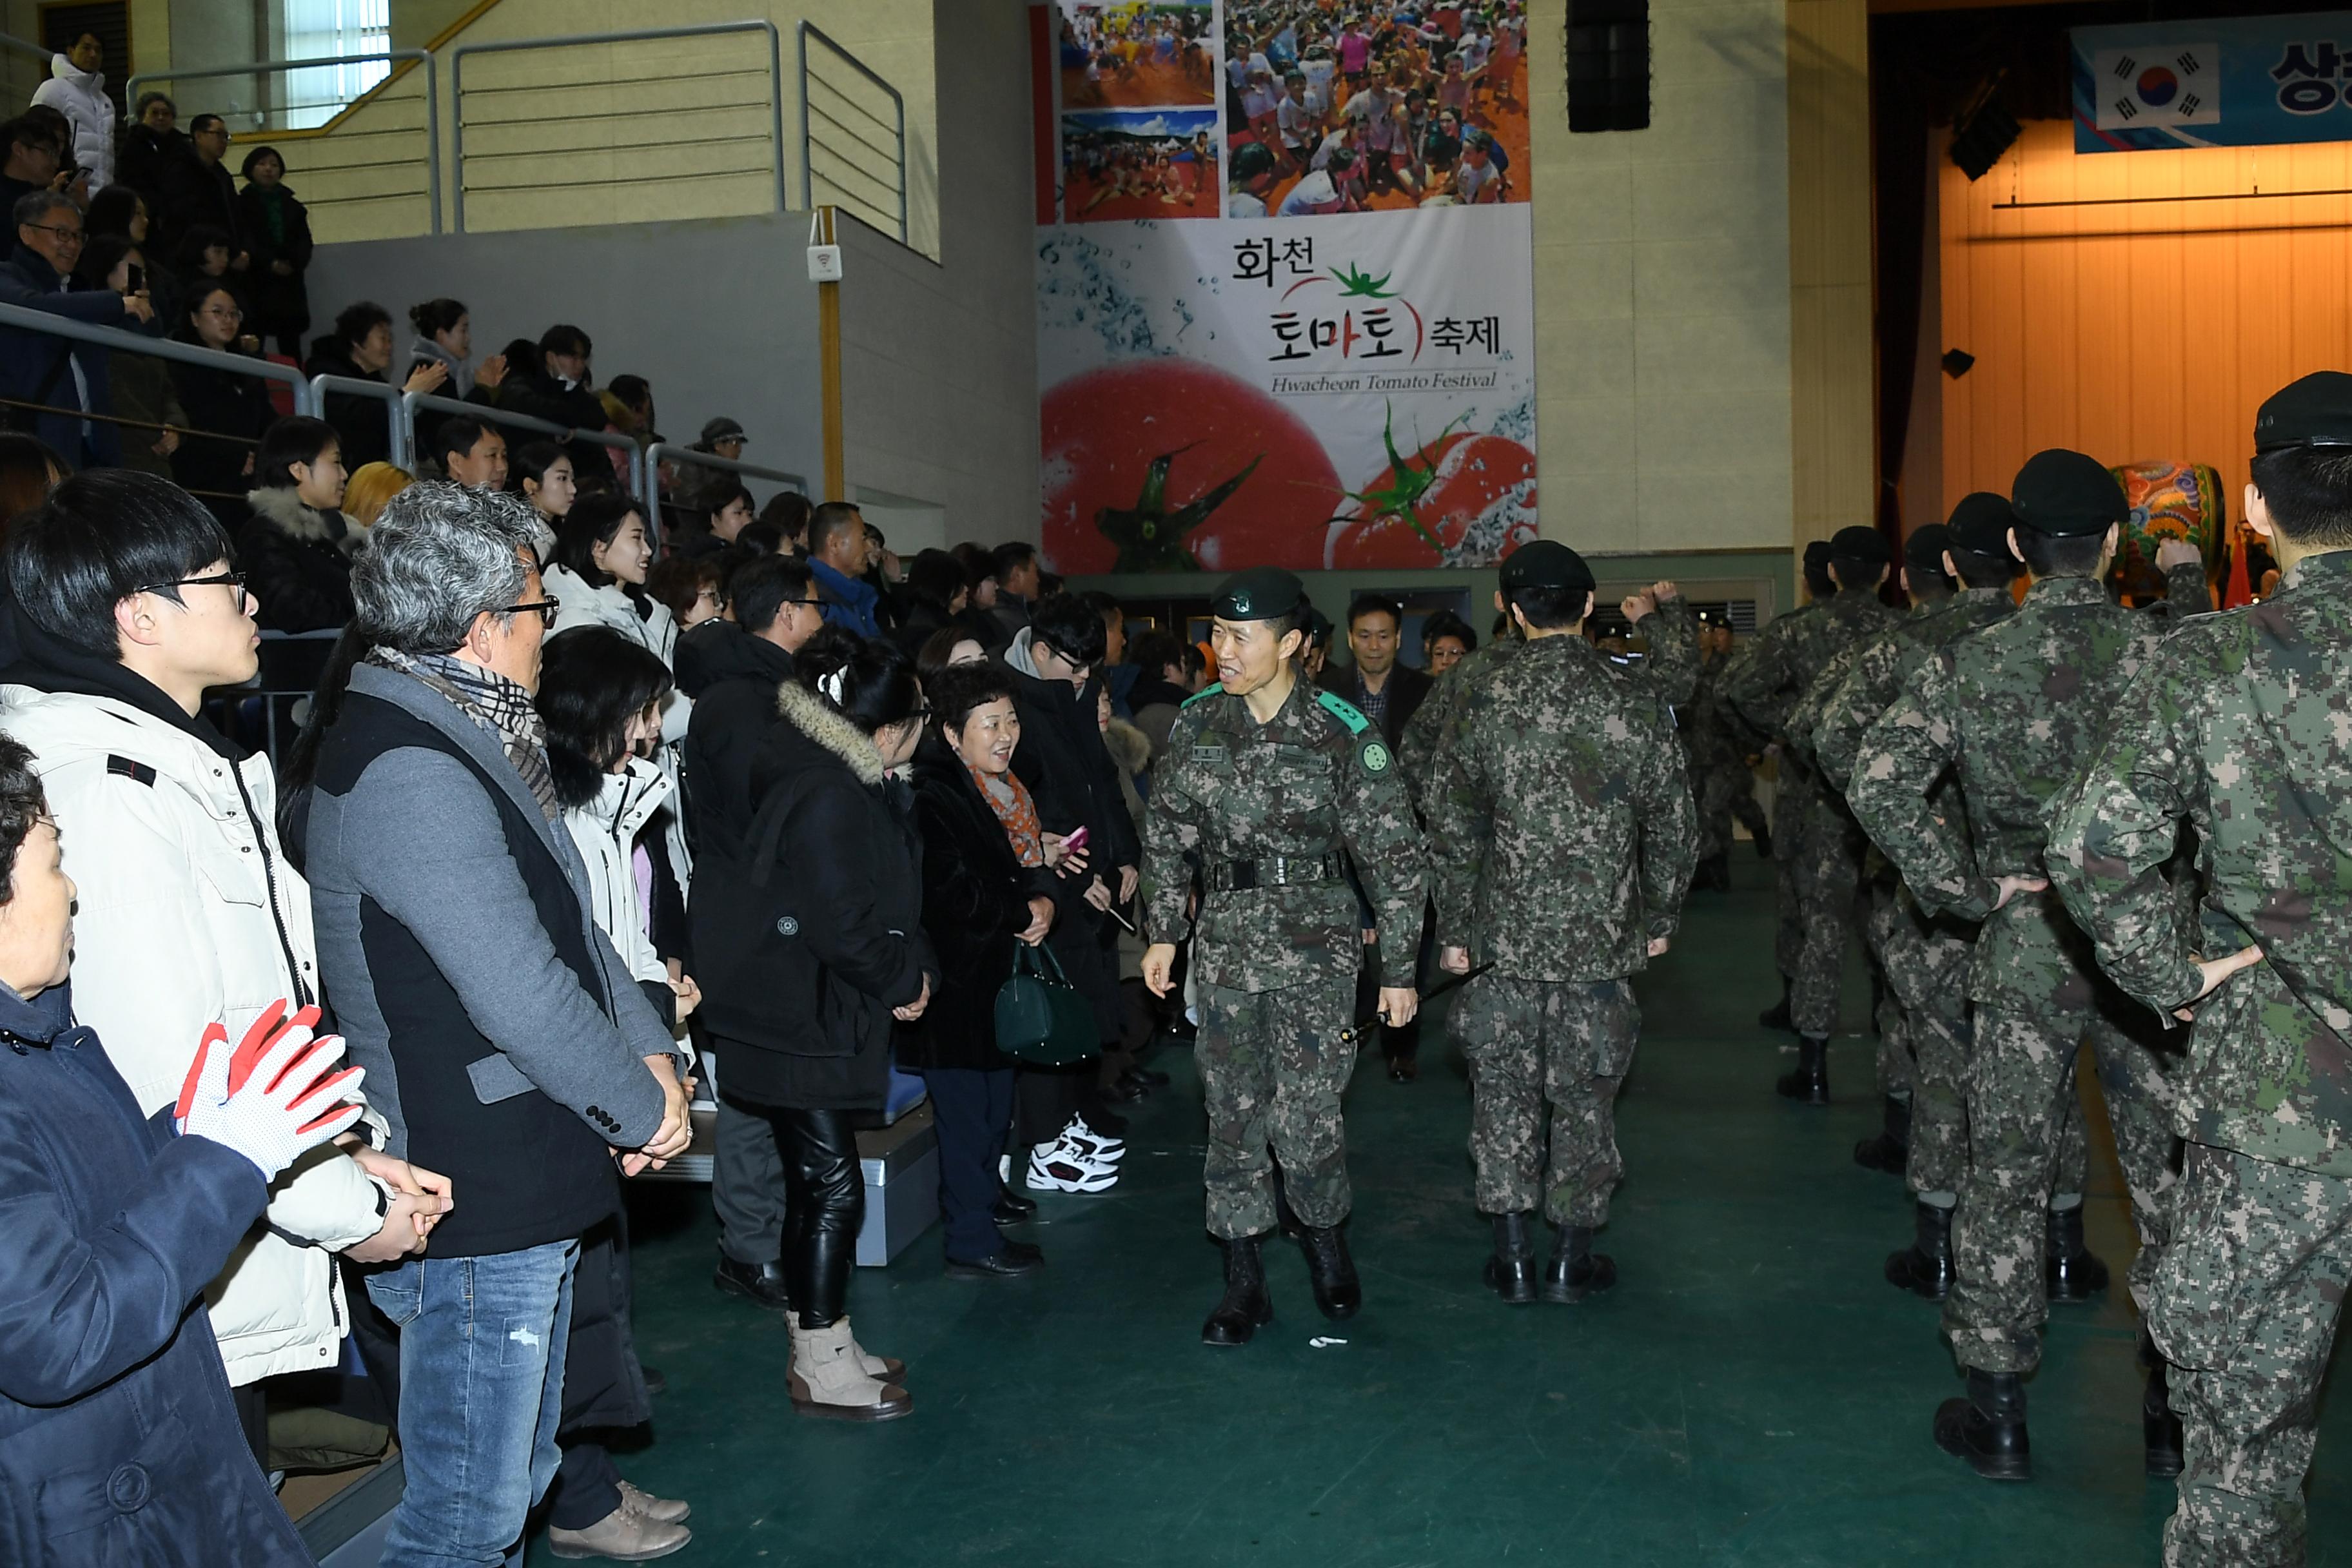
x,y
38,368
513,1049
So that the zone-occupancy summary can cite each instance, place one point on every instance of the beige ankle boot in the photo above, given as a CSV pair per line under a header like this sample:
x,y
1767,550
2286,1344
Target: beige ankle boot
x,y
828,1379
882,1368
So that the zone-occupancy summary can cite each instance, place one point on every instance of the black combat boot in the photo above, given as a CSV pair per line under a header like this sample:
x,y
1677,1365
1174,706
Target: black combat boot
x,y
2159,1428
1712,874
1245,1306
1763,837
1810,1083
1330,1271
1576,1271
1777,1016
1511,1272
1988,1428
2072,1272
1925,1267
1890,1151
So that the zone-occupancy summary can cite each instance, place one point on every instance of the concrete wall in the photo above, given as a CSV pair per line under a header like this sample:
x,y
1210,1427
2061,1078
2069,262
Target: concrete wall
x,y
1662,291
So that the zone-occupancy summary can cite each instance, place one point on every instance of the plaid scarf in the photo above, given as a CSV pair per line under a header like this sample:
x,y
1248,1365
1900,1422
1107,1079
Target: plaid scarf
x,y
1016,809
494,702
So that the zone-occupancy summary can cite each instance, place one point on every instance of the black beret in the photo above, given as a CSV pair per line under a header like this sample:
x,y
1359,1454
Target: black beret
x,y
1260,593
2067,495
1866,545
1817,553
1924,548
1545,564
1980,524
1315,623
2316,411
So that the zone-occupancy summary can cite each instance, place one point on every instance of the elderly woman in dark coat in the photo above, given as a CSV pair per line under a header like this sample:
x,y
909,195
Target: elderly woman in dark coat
x,y
984,894
811,943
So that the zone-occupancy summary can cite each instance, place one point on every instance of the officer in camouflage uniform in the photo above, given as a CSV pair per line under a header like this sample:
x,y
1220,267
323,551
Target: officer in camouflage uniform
x,y
2014,708
1926,957
1266,789
2240,734
1715,743
1789,804
1562,834
1790,655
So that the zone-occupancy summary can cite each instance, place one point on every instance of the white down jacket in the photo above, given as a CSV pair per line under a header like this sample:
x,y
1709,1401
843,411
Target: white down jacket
x,y
187,915
611,609
80,96
606,830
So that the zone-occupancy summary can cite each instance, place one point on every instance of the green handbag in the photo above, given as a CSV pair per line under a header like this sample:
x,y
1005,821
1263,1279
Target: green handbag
x,y
1041,1019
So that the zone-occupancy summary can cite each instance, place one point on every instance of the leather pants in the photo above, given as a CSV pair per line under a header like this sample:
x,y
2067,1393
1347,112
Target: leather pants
x,y
826,1203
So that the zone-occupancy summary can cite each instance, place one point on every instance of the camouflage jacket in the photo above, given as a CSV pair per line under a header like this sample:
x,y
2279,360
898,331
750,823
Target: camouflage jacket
x,y
1792,653
1703,721
2014,710
1317,778
1670,670
1873,679
1561,818
2240,733
1434,719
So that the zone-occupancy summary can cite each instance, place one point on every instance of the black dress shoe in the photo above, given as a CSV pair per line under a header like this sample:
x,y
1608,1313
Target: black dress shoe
x,y
1010,1202
1004,1265
656,1384
763,1282
1004,1212
1988,1428
1403,1070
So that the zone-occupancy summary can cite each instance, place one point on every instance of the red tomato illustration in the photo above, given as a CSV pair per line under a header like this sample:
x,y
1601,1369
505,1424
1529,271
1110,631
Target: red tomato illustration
x,y
1461,501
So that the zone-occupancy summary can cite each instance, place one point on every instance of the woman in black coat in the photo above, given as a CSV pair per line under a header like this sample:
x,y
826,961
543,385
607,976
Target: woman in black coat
x,y
981,902
810,948
276,230
226,412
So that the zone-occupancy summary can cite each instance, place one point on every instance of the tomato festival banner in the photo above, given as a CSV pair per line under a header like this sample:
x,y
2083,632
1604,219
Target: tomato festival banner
x,y
1333,366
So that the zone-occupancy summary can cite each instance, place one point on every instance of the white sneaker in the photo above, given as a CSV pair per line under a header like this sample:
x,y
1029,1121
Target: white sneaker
x,y
1074,1147
1052,1170
1086,1141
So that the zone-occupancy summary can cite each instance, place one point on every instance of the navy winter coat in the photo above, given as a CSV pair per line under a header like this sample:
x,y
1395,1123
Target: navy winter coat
x,y
119,1443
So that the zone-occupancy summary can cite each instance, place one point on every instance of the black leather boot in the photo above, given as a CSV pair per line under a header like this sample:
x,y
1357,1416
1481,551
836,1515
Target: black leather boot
x,y
1330,1271
1988,1428
1245,1306
1777,1016
1925,1267
2159,1428
1890,1151
1576,1271
1511,1272
1763,840
2072,1272
1810,1083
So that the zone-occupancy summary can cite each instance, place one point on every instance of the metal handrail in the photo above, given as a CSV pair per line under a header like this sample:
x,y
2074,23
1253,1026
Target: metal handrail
x,y
432,102
649,467
397,449
808,168
703,30
29,320
26,47
490,415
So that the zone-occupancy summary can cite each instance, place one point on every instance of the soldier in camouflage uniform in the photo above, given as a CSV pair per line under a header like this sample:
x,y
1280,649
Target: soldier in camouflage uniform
x,y
1268,788
1926,956
1723,787
2240,734
1790,655
1561,833
2013,709
1788,805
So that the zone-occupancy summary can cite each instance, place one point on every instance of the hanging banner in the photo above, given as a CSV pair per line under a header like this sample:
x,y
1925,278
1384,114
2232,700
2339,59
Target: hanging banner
x,y
2245,81
1285,298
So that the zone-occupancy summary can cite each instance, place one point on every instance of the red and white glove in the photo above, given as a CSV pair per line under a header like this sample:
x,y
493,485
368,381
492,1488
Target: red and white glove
x,y
276,1096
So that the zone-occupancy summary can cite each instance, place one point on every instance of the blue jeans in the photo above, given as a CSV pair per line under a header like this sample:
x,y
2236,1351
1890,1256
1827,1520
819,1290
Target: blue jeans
x,y
481,1390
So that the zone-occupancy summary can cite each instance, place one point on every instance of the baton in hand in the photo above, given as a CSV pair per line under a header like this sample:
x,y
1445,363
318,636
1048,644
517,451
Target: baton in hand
x,y
1363,1026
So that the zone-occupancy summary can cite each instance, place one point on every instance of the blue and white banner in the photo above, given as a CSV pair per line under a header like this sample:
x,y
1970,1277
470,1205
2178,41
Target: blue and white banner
x,y
2245,82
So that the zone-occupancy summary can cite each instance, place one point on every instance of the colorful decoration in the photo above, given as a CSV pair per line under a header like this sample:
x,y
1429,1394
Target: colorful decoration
x,y
2173,501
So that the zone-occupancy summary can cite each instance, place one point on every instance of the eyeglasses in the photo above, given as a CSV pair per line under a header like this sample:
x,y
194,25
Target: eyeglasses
x,y
544,609
231,314
65,235
226,579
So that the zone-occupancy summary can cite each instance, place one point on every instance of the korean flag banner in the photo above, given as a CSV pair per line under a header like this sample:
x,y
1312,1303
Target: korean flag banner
x,y
2241,81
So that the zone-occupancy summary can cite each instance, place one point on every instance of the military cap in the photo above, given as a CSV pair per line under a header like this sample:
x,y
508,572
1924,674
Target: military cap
x,y
1866,545
1260,593
2314,411
2067,495
1817,553
1315,623
1924,548
1980,523
1545,564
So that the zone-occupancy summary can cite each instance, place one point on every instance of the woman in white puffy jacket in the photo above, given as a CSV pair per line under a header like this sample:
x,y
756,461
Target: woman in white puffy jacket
x,y
76,90
597,574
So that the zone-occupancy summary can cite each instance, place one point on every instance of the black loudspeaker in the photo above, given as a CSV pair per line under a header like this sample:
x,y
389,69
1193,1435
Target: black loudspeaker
x,y
1958,362
1984,136
1608,65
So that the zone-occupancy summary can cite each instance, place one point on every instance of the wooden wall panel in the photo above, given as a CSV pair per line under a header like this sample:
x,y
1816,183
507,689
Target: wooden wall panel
x,y
2146,332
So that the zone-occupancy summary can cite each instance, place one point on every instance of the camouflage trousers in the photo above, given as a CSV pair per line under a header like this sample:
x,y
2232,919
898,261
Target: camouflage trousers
x,y
1723,789
1828,880
1791,820
1273,1067
2245,1307
1928,969
1531,1042
1883,922
2020,1095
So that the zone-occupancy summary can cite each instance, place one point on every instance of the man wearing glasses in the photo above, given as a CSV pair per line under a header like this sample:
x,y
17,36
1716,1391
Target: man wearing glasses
x,y
57,372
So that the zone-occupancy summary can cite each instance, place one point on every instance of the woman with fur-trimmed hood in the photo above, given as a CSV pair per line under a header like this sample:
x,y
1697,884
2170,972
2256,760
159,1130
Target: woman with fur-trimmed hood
x,y
296,549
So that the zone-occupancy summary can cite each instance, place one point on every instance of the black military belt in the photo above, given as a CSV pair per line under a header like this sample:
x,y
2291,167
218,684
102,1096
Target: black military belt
x,y
1274,871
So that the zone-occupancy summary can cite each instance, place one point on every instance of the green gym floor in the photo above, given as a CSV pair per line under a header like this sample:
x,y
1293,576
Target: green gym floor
x,y
1751,1393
